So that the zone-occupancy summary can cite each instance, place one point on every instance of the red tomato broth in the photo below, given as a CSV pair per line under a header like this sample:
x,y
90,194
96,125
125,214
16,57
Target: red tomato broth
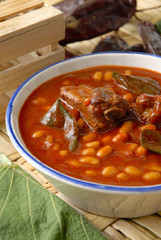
x,y
121,156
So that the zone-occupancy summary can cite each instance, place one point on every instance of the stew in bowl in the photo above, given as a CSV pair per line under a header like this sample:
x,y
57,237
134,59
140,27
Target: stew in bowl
x,y
91,125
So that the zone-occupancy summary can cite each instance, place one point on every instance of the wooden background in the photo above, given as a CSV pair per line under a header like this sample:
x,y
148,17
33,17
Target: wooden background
x,y
144,228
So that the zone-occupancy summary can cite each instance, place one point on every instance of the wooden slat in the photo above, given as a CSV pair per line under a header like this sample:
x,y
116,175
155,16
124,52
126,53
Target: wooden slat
x,y
10,93
14,156
45,50
28,57
102,222
91,217
142,4
5,65
7,148
131,231
114,233
51,189
29,21
3,103
14,76
3,129
144,230
153,223
32,40
10,8
14,62
52,2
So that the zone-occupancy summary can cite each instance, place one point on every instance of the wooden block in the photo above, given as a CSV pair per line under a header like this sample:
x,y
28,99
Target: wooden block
x,y
32,40
12,7
53,46
45,50
28,57
3,104
4,139
5,65
2,114
10,93
28,22
52,2
14,76
14,62
3,128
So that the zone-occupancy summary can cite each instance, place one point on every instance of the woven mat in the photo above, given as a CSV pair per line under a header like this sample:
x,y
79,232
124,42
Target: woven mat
x,y
144,228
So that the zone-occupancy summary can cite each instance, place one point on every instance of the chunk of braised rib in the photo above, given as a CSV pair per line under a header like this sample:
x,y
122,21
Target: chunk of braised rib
x,y
104,108
148,108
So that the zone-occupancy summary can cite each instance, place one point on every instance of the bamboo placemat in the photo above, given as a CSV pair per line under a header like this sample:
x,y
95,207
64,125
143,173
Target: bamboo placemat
x,y
144,228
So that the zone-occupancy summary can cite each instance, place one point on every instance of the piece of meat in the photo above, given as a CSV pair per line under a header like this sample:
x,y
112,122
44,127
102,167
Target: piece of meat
x,y
148,108
104,108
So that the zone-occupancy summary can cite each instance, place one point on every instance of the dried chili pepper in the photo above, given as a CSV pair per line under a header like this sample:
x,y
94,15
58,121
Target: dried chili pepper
x,y
115,43
135,48
86,19
150,37
111,43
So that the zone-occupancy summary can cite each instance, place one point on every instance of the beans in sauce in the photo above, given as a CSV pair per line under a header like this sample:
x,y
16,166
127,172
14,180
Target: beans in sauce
x,y
114,157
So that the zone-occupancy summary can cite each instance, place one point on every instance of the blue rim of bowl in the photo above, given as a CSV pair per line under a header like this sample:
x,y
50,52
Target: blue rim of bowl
x,y
52,172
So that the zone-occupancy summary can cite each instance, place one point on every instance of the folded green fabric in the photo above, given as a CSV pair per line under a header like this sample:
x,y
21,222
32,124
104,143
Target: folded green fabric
x,y
28,211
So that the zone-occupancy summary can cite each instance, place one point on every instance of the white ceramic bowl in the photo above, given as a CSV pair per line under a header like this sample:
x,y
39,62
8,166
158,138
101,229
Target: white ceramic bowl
x,y
112,201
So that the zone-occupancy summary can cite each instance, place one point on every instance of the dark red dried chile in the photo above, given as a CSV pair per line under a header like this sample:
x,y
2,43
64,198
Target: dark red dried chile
x,y
115,43
150,37
86,19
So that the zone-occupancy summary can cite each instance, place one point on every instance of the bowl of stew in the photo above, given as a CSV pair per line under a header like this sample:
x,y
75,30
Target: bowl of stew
x,y
92,126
